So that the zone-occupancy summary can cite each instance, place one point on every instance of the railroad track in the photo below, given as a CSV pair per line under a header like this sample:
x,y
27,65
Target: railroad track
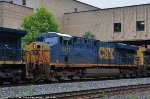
x,y
75,89
25,83
94,93
7,84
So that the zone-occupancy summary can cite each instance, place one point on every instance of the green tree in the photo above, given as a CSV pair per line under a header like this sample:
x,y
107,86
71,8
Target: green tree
x,y
89,35
39,22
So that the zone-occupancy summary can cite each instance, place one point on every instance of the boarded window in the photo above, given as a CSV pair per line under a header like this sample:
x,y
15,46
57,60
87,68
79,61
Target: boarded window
x,y
140,25
117,27
23,2
75,10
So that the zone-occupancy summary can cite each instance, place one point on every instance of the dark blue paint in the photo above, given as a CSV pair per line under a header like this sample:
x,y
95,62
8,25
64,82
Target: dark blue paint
x,y
86,51
10,44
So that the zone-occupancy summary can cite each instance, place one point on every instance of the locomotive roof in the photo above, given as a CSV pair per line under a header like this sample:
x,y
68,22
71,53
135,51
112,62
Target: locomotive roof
x,y
13,31
51,34
125,46
60,34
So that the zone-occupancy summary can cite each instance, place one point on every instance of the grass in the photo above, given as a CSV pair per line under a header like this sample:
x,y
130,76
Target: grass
x,y
104,95
31,91
148,97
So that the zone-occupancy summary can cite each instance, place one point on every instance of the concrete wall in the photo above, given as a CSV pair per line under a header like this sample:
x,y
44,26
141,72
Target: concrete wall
x,y
101,23
11,15
19,2
1,15
57,7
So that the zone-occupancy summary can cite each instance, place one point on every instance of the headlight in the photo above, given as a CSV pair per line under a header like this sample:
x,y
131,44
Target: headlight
x,y
34,45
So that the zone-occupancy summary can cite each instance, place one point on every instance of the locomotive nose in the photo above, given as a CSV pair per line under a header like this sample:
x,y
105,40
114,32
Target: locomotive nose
x,y
37,52
37,57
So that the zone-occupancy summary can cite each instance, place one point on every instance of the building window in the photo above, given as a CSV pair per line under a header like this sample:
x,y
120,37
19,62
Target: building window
x,y
117,27
11,1
140,25
75,10
23,2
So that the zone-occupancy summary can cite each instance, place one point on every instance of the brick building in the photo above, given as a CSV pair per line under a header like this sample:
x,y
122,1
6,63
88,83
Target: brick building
x,y
76,18
21,8
124,23
11,15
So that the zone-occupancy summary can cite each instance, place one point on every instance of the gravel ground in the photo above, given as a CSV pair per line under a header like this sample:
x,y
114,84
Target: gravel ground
x,y
67,87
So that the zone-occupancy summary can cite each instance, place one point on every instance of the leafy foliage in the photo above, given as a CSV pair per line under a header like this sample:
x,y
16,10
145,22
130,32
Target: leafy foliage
x,y
89,35
39,22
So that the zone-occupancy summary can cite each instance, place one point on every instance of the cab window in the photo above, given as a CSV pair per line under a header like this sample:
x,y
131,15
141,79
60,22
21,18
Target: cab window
x,y
85,41
65,41
51,41
39,39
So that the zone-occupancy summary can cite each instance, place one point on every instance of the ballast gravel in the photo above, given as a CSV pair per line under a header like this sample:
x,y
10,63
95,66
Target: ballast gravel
x,y
20,91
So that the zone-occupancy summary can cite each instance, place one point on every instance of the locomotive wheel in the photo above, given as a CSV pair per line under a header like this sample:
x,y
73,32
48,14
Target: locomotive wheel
x,y
1,81
58,78
16,77
77,77
148,74
36,75
124,76
70,77
37,72
117,77
131,75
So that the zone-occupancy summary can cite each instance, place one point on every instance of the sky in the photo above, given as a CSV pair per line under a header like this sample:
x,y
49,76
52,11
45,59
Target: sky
x,y
114,3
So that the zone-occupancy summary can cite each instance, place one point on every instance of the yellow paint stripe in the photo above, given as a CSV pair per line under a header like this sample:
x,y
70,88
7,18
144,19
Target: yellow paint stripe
x,y
89,65
71,65
11,62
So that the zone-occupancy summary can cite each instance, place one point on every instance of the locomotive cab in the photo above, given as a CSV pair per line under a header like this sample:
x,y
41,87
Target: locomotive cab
x,y
53,38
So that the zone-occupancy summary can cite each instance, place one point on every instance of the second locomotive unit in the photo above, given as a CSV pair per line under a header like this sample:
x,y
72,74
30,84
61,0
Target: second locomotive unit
x,y
12,67
61,56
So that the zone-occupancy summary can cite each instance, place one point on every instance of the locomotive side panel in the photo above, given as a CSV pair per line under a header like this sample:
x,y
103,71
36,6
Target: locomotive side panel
x,y
79,52
112,54
84,51
106,53
126,55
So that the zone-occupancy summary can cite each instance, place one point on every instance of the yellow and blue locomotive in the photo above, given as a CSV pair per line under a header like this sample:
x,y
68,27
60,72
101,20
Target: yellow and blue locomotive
x,y
61,56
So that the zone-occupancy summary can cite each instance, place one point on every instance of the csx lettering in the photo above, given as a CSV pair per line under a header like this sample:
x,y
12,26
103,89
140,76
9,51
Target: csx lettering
x,y
65,49
106,53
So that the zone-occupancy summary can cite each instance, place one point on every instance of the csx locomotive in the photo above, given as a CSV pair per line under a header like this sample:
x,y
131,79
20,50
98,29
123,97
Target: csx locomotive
x,y
61,56
12,66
